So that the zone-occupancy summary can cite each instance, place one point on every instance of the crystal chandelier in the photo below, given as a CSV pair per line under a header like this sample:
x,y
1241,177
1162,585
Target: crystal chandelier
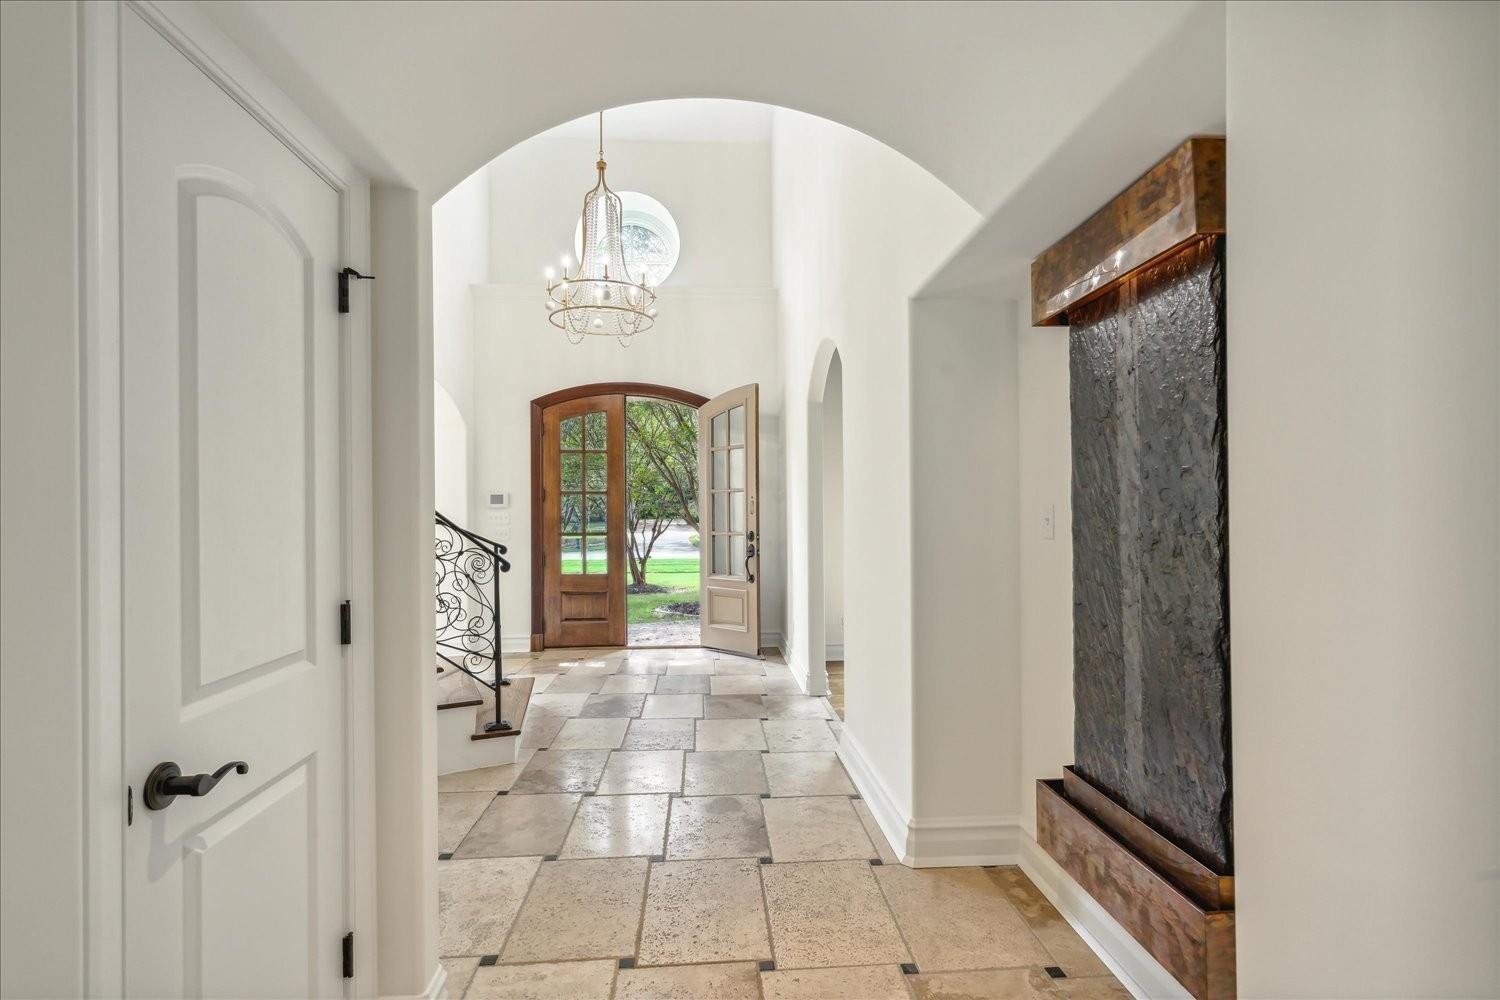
x,y
601,297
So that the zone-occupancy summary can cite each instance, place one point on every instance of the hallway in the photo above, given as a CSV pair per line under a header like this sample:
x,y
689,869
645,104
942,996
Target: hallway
x,y
678,825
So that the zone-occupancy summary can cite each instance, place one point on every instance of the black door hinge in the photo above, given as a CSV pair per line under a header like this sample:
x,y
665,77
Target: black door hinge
x,y
129,804
346,624
349,955
344,276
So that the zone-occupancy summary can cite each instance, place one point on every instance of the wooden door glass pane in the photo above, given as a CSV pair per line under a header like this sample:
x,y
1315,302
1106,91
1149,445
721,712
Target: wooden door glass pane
x,y
736,554
572,472
572,433
737,425
596,431
572,514
721,430
721,555
596,472
737,511
736,468
598,555
572,555
721,512
598,515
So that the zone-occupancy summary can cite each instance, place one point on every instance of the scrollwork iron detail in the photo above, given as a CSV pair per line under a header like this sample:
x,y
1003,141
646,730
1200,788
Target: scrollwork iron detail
x,y
467,587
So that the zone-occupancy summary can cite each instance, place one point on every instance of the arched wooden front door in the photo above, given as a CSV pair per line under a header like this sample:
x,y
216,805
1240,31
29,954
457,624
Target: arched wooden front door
x,y
578,567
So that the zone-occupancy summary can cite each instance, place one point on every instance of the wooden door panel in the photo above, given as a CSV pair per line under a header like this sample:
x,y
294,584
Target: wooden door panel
x,y
729,475
583,522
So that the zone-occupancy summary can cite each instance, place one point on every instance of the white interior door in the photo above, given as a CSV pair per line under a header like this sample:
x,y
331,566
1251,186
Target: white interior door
x,y
729,474
233,551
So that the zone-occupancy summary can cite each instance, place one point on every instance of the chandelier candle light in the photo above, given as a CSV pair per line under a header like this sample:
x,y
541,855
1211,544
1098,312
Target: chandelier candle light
x,y
601,297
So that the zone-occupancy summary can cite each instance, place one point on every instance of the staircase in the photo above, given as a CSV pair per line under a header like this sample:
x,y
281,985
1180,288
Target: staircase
x,y
480,711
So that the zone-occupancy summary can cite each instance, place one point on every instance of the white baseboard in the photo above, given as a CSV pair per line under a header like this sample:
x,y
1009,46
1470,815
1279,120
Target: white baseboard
x,y
515,643
437,988
1132,965
958,841
773,640
834,651
891,819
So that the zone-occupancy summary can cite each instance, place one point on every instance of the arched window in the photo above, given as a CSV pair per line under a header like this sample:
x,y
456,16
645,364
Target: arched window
x,y
652,245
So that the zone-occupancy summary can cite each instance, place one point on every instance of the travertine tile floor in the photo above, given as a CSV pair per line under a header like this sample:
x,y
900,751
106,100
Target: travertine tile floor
x,y
679,828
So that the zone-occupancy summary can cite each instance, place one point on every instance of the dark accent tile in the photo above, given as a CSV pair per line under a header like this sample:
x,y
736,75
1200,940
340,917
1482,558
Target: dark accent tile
x,y
1055,972
658,857
766,965
549,857
765,795
855,797
446,856
765,861
488,959
876,861
503,791
627,963
909,968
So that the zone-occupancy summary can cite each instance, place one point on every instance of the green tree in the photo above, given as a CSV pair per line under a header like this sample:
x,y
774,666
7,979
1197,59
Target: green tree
x,y
661,475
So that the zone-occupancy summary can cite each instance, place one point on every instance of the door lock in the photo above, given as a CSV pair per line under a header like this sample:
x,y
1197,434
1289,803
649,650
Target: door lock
x,y
166,781
749,554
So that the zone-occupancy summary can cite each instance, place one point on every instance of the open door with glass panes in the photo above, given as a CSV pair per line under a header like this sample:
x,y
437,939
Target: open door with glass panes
x,y
729,474
583,522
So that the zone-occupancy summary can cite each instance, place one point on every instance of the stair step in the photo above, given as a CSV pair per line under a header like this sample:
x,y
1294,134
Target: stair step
x,y
457,690
514,700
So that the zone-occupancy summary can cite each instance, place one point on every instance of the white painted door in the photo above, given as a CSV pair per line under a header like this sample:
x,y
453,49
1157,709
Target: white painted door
x,y
233,551
729,477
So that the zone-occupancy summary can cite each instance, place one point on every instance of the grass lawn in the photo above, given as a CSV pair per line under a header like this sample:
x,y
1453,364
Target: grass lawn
x,y
679,574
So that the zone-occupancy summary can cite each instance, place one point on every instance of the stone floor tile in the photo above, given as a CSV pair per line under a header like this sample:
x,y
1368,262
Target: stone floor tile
x,y
683,684
484,779
590,734
724,772
795,706
717,826
457,812
561,771
733,706
673,706
738,684
807,774
1086,988
816,829
642,772
580,909
704,911
957,918
573,683
539,731
730,734
736,981
792,735
613,706
566,705
520,825
1062,942
873,831
641,667
618,826
783,686
541,682
659,734
688,667
545,981
829,913
478,900
865,982
989,984
738,668
628,684
460,972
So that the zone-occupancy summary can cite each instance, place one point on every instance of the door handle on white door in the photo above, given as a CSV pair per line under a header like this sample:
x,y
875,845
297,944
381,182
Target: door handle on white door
x,y
749,554
166,781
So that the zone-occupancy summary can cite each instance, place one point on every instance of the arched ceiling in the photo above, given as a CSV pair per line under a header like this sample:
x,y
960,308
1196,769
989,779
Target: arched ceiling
x,y
980,94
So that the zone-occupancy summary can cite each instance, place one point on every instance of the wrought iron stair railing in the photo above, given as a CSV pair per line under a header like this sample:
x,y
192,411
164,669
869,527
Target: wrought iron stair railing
x,y
468,567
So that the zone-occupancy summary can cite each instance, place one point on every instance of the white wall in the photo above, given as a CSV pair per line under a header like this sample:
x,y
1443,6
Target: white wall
x,y
833,510
42,776
1364,381
450,457
856,229
1046,631
460,259
965,577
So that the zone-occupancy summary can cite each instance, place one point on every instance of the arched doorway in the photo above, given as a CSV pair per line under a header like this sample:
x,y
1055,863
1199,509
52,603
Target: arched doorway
x,y
825,480
591,540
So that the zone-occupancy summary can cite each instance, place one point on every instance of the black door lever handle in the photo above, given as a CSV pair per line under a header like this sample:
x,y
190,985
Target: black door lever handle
x,y
166,781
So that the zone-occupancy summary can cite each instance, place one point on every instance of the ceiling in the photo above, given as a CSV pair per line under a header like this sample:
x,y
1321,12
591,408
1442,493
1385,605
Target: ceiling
x,y
980,94
694,120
